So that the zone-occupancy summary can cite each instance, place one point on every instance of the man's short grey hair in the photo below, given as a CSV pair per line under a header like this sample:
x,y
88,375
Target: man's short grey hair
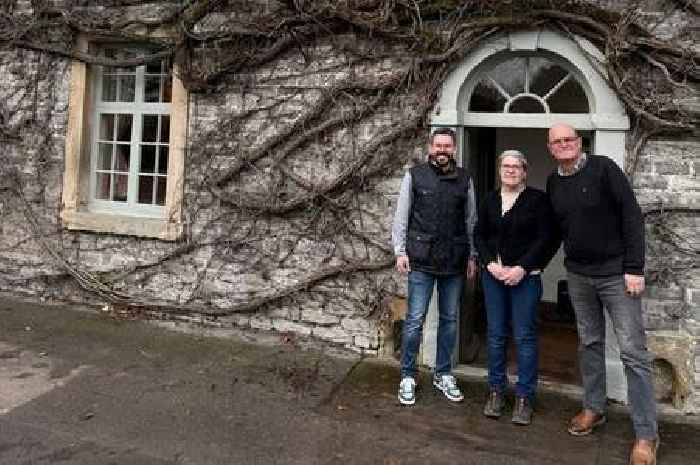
x,y
515,154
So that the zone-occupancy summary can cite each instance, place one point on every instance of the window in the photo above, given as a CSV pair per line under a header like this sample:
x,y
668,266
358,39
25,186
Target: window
x,y
131,137
528,84
125,147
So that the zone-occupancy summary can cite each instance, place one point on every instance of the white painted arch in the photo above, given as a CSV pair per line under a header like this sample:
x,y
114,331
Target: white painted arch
x,y
607,119
583,59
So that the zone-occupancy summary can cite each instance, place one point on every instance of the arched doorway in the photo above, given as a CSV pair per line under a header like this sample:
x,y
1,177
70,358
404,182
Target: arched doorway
x,y
506,94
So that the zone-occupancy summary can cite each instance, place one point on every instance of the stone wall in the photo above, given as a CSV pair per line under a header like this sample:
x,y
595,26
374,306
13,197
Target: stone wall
x,y
237,255
228,265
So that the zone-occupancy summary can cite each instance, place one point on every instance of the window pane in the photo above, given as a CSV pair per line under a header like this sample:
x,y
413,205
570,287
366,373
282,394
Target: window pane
x,y
154,67
510,75
127,88
160,191
127,69
152,92
109,88
124,128
164,129
163,160
145,189
167,85
121,185
122,158
104,157
569,98
102,186
148,159
486,98
544,75
526,105
106,126
150,128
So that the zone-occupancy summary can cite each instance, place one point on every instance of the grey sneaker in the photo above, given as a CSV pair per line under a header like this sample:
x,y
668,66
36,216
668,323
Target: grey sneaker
x,y
494,404
522,411
407,391
448,385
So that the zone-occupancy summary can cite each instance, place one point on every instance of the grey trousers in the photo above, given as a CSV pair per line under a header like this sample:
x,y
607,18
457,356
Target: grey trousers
x,y
589,296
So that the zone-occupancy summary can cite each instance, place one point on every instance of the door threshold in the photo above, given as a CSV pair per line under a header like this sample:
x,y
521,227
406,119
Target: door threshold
x,y
570,390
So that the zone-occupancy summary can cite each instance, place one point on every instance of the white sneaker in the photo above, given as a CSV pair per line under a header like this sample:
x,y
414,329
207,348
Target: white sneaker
x,y
407,391
448,385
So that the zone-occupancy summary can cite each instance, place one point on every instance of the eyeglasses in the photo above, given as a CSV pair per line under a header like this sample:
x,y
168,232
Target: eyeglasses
x,y
511,167
563,140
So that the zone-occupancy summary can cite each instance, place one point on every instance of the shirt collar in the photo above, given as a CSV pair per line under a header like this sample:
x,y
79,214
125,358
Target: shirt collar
x,y
580,163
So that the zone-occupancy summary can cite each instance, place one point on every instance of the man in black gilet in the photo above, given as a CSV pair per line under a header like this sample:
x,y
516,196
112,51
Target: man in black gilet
x,y
432,238
603,232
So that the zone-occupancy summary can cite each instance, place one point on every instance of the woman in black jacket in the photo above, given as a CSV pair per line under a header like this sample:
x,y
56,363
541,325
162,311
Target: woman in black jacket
x,y
513,235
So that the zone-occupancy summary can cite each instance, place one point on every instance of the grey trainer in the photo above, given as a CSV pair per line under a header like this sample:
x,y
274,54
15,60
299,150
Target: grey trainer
x,y
448,385
522,411
494,404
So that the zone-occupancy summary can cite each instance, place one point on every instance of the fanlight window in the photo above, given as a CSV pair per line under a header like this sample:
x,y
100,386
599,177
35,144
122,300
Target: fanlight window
x,y
528,84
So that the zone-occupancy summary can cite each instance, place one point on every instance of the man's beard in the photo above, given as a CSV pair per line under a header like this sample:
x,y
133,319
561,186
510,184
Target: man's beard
x,y
441,159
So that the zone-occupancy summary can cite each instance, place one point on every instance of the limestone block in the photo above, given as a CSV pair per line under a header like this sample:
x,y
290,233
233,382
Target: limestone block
x,y
356,325
220,287
366,342
290,326
335,334
664,293
677,167
676,349
318,316
240,320
683,184
663,310
285,313
648,181
693,327
260,322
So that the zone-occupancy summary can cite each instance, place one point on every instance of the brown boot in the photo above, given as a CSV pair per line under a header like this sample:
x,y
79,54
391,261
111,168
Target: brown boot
x,y
585,422
644,452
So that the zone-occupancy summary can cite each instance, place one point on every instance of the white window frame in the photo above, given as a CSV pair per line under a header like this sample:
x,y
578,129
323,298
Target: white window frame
x,y
80,211
505,118
138,108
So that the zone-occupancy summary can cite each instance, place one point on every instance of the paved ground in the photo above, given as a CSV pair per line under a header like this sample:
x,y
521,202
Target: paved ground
x,y
81,388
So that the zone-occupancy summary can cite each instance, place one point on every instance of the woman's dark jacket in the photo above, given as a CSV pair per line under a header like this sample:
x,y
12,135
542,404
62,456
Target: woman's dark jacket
x,y
523,236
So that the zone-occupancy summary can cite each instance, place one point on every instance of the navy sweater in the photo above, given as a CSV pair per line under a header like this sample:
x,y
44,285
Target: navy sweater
x,y
599,219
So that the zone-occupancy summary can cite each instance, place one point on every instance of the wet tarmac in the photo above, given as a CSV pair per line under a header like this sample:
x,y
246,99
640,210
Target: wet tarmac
x,y
79,387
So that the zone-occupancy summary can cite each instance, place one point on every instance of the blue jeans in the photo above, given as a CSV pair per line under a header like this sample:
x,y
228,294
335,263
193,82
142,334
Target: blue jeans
x,y
514,306
420,291
589,295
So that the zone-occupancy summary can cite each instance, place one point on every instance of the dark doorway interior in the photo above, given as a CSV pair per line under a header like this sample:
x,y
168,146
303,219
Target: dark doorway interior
x,y
558,340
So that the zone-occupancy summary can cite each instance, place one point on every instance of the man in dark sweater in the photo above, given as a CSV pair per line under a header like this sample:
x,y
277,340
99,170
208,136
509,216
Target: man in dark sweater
x,y
432,238
602,227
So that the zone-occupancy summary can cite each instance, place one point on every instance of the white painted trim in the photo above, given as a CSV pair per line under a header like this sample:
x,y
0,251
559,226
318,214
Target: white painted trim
x,y
580,56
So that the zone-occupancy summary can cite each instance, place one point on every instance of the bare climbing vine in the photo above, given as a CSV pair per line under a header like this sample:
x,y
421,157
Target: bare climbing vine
x,y
285,190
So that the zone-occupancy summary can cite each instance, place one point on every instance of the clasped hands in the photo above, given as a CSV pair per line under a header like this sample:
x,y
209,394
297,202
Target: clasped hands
x,y
509,275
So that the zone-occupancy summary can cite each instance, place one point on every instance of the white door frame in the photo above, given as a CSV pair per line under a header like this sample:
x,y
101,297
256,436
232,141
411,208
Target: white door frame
x,y
607,120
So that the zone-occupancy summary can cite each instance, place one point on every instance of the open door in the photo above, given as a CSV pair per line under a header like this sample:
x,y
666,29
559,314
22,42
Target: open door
x,y
557,330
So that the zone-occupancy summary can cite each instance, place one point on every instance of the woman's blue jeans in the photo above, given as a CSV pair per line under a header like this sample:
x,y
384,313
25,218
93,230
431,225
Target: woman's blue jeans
x,y
420,291
513,307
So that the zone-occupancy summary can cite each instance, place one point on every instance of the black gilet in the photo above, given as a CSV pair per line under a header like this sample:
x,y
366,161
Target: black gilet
x,y
437,240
